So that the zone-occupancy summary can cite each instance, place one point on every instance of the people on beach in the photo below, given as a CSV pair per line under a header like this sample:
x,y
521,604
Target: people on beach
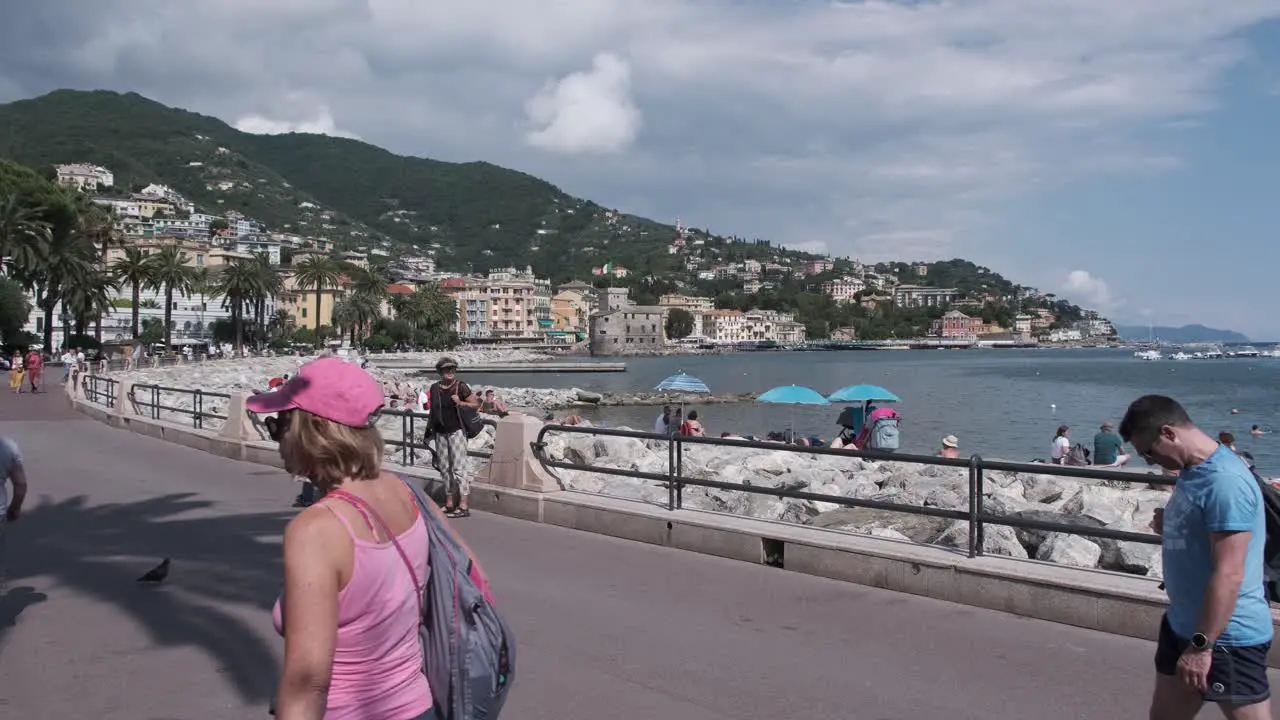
x,y
448,396
1061,444
350,609
692,426
663,423
950,447
493,405
1108,447
1217,631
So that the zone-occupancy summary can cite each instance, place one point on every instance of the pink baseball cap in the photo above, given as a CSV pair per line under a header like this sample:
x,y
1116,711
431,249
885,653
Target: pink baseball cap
x,y
331,388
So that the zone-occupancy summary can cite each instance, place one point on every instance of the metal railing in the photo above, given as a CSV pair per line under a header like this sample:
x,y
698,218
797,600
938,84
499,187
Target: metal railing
x,y
410,424
151,398
975,514
99,389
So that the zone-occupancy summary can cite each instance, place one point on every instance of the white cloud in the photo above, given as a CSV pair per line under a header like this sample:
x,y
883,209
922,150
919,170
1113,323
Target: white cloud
x,y
1089,291
322,124
587,112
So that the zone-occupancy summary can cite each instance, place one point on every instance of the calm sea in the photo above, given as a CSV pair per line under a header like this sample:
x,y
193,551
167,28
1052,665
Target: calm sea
x,y
1000,403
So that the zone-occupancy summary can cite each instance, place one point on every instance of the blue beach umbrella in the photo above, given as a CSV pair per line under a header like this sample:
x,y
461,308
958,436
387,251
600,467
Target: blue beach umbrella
x,y
793,395
683,383
863,394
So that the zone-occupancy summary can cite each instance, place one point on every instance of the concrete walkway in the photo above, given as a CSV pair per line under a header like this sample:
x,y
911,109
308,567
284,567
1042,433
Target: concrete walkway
x,y
607,628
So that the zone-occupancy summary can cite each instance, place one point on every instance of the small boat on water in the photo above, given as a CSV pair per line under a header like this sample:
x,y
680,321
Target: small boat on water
x,y
1148,355
1180,356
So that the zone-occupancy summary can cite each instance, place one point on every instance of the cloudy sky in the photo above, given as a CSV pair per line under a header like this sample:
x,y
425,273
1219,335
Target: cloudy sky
x,y
1123,153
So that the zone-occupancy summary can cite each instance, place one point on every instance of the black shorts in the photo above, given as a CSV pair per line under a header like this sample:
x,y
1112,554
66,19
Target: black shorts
x,y
1237,676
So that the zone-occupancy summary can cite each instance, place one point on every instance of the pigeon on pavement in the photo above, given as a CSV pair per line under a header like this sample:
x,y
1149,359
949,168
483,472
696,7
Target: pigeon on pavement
x,y
157,574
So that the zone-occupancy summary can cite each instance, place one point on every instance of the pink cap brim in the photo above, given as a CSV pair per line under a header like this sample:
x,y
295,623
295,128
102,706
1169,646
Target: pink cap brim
x,y
271,402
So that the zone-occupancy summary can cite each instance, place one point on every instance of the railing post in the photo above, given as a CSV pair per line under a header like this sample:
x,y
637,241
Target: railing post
x,y
981,507
405,439
679,473
409,439
197,404
671,472
155,402
973,504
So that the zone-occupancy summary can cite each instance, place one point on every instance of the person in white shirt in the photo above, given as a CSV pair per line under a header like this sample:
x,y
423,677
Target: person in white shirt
x,y
1061,444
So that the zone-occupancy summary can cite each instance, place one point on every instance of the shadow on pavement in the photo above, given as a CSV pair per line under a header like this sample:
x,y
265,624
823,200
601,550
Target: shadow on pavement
x,y
218,562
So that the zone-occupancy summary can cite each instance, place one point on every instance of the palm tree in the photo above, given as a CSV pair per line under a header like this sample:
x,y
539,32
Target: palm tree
x,y
170,271
89,298
270,286
22,232
134,271
239,284
318,272
281,323
64,260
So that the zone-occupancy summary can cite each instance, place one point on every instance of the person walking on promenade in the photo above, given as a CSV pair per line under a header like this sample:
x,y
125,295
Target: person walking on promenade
x,y
35,370
1216,633
12,473
16,374
444,423
354,563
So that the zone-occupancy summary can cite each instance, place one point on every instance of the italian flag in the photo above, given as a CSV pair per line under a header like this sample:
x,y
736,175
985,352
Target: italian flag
x,y
608,268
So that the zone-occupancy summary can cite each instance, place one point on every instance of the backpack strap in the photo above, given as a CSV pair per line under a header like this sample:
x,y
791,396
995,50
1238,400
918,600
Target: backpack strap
x,y
361,504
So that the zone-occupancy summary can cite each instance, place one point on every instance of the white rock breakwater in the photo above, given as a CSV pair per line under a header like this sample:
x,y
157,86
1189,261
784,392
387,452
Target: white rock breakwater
x,y
1024,495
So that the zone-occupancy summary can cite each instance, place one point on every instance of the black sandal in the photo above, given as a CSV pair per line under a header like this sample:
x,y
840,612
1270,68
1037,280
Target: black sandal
x,y
459,513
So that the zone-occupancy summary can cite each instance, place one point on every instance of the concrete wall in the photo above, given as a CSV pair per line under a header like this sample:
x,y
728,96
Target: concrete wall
x,y
514,483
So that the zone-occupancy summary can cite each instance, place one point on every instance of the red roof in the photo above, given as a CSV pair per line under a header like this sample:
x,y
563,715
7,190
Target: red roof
x,y
395,289
457,282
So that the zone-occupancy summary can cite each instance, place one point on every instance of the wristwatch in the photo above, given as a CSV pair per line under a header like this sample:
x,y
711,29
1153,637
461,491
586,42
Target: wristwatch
x,y
1200,642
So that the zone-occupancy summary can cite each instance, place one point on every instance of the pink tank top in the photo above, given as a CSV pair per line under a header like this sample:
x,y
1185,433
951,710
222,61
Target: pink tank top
x,y
377,662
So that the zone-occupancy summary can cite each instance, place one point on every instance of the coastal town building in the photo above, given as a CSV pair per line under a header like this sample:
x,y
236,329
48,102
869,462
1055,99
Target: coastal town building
x,y
921,296
695,306
724,326
610,299
1022,324
83,176
638,328
843,290
817,267
955,324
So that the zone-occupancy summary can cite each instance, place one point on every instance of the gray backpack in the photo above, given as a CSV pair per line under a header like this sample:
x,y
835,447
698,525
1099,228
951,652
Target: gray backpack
x,y
468,650
884,434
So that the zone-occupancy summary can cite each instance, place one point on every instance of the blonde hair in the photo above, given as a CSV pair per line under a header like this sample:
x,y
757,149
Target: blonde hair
x,y
326,452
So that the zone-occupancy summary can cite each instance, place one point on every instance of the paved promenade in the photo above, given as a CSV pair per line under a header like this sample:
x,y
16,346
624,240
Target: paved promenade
x,y
607,628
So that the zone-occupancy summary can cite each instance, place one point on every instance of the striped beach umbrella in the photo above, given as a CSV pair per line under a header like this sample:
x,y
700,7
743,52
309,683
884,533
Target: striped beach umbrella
x,y
683,383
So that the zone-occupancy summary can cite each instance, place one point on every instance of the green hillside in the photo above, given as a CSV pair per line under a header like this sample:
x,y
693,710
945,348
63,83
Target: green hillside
x,y
482,215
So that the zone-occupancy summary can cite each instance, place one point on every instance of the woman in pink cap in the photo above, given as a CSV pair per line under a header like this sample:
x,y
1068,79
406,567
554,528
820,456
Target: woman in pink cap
x,y
354,563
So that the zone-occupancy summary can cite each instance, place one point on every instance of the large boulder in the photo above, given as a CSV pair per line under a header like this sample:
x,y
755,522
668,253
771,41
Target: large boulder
x,y
1104,504
996,540
1070,550
1033,539
920,528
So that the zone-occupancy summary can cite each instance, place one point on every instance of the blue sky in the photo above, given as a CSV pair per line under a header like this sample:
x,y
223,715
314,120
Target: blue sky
x,y
1122,154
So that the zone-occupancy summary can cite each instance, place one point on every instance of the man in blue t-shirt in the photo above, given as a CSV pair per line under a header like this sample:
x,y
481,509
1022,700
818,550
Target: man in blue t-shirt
x,y
1215,636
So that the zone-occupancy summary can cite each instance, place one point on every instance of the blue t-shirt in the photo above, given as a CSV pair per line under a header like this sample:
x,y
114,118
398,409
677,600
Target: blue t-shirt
x,y
1218,495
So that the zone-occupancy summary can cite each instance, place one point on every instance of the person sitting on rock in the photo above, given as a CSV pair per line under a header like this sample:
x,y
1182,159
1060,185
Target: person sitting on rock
x,y
691,426
493,404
